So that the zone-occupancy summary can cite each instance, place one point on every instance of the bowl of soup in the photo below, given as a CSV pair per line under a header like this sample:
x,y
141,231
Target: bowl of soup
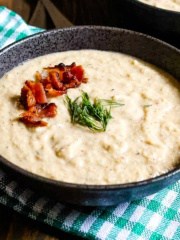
x,y
158,16
90,115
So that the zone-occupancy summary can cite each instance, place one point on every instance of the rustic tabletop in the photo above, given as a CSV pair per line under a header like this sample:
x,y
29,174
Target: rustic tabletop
x,y
12,225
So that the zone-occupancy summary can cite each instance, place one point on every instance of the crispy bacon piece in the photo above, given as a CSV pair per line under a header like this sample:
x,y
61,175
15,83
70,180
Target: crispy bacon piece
x,y
62,67
38,91
73,84
67,77
27,98
38,76
55,80
42,111
55,83
33,116
51,92
47,111
46,81
33,121
78,72
84,80
61,77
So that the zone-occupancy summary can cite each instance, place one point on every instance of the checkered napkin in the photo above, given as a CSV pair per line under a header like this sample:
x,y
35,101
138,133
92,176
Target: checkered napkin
x,y
154,217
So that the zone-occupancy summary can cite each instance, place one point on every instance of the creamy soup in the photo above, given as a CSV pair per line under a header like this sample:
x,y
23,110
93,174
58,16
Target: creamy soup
x,y
142,140
173,5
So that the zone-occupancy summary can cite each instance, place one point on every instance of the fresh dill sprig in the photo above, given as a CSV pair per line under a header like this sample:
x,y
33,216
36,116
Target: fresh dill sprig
x,y
111,102
94,115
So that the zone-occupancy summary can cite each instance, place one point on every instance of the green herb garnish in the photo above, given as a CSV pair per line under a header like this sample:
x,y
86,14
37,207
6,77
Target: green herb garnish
x,y
147,105
111,102
94,115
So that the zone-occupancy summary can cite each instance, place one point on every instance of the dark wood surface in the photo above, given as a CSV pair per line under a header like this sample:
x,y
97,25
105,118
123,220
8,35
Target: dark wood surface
x,y
53,14
14,226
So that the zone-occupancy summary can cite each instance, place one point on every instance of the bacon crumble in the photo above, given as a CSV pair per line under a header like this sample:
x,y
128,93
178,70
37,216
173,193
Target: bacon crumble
x,y
35,94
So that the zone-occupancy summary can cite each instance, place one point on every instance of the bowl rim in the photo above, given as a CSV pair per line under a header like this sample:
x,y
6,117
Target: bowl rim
x,y
154,8
90,27
92,187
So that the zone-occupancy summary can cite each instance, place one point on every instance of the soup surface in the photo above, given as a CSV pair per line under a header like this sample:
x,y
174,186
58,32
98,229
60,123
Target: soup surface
x,y
173,5
142,140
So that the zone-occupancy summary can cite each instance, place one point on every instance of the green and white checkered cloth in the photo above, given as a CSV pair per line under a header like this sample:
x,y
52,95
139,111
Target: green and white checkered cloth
x,y
154,217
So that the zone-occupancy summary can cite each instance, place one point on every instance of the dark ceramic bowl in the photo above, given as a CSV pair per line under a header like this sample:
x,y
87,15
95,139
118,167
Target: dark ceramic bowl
x,y
102,38
153,18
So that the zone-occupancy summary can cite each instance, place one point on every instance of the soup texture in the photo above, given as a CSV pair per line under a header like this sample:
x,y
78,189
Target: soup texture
x,y
142,139
173,5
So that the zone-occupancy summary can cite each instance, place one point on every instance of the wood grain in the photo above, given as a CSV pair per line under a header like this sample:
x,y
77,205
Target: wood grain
x,y
7,3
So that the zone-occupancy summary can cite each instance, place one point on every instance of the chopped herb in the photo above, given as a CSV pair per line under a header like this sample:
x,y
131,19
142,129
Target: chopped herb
x,y
111,102
94,115
147,105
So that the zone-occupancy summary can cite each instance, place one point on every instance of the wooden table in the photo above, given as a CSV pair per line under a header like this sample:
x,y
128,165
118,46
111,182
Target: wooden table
x,y
14,226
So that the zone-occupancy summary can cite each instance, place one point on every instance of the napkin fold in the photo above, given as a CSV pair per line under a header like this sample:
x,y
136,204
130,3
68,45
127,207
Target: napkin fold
x,y
156,217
